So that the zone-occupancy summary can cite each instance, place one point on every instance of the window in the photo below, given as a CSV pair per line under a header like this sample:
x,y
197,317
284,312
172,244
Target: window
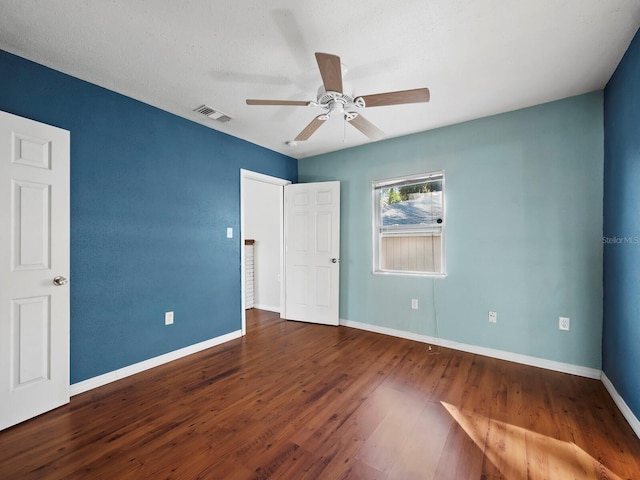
x,y
409,225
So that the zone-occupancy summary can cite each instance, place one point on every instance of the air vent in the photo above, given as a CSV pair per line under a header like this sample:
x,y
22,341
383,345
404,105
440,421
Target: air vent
x,y
212,113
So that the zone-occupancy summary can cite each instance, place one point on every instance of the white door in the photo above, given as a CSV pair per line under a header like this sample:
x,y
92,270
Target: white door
x,y
312,252
34,257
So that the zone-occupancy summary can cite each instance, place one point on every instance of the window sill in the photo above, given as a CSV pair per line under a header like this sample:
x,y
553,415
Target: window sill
x,y
397,273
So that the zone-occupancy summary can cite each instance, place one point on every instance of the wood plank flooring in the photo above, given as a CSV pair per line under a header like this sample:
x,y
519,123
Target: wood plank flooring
x,y
298,401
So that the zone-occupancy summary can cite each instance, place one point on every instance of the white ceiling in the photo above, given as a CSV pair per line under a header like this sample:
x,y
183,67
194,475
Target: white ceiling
x,y
478,57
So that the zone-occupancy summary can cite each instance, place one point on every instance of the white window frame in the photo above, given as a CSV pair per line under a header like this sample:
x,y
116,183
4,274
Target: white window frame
x,y
377,186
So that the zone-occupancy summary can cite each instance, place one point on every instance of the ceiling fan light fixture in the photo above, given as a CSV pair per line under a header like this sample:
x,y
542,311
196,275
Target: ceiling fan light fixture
x,y
336,106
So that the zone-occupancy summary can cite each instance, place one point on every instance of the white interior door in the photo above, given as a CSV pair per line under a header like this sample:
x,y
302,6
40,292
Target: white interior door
x,y
34,264
312,252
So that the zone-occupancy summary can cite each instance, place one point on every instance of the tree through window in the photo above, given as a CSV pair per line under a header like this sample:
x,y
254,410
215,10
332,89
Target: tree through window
x,y
409,225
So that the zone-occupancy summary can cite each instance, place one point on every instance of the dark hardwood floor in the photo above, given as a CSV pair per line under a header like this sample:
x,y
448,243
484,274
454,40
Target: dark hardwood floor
x,y
298,401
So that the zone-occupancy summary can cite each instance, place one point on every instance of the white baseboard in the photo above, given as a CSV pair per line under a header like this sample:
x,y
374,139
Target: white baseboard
x,y
488,352
109,377
268,308
622,405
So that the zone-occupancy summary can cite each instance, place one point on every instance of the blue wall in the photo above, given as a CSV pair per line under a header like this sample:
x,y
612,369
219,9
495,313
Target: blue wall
x,y
151,197
621,337
524,231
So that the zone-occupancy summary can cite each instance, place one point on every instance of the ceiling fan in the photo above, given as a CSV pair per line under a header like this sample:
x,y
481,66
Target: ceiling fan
x,y
333,100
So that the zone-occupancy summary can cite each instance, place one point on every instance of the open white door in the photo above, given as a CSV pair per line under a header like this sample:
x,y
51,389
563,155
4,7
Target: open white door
x,y
34,264
312,252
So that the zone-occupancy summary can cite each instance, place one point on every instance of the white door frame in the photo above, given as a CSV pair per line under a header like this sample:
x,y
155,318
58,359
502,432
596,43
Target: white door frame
x,y
260,177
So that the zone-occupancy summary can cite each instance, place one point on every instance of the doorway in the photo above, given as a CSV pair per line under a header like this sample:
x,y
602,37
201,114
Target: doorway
x,y
264,220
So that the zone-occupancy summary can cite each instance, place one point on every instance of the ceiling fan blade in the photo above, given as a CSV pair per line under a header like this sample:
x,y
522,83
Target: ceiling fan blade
x,y
294,103
331,71
366,127
417,95
311,128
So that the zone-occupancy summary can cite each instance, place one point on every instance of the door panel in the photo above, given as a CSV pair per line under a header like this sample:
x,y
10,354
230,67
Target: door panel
x,y
323,227
34,313
312,250
30,226
323,286
30,343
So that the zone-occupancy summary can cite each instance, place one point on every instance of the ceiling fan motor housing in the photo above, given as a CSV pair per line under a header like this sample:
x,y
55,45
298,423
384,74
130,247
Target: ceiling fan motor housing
x,y
336,101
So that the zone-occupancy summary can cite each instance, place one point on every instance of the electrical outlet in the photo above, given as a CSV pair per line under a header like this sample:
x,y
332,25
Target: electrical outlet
x,y
414,303
168,318
229,232
564,323
493,317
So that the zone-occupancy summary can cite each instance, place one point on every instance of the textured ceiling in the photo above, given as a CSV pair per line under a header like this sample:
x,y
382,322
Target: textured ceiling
x,y
478,57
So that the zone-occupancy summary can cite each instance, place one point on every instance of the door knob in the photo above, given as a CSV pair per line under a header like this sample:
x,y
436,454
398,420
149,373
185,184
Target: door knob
x,y
59,281
334,260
